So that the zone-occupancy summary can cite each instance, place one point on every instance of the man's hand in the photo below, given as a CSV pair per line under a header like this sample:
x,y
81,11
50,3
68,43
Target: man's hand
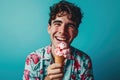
x,y
55,72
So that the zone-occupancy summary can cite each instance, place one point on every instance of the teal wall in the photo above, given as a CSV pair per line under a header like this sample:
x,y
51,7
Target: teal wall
x,y
23,29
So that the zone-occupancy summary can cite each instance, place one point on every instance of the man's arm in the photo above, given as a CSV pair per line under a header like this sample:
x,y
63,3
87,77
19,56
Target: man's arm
x,y
30,71
87,73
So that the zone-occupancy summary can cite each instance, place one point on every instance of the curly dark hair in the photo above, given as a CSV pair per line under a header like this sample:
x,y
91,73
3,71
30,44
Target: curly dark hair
x,y
72,10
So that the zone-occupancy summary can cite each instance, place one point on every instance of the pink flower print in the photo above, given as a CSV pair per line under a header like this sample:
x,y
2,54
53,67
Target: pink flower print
x,y
76,64
27,61
41,71
26,74
89,65
37,79
72,57
49,49
79,53
35,58
82,77
51,62
73,76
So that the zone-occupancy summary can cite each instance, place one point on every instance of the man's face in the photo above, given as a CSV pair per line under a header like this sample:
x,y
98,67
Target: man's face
x,y
62,29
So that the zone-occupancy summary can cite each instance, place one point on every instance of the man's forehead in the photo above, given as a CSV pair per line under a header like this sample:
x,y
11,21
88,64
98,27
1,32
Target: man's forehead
x,y
64,13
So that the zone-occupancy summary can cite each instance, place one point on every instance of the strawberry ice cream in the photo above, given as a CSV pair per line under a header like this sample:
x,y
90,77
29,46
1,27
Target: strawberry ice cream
x,y
61,52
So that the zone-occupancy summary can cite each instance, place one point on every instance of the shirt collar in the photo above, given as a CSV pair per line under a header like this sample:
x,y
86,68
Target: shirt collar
x,y
48,52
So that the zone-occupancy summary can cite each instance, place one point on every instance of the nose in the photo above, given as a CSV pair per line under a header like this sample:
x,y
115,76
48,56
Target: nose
x,y
62,29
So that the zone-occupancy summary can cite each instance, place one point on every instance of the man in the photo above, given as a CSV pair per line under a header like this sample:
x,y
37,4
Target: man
x,y
64,21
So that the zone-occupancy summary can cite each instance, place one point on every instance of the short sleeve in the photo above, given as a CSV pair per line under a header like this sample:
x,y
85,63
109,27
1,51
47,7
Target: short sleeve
x,y
31,70
87,73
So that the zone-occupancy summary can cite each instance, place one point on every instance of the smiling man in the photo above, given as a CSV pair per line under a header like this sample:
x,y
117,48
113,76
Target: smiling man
x,y
62,29
64,21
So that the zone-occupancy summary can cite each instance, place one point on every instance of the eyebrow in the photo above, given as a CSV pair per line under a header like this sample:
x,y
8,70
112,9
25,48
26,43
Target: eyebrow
x,y
57,21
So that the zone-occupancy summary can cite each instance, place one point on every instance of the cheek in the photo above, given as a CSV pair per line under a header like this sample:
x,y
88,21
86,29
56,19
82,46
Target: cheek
x,y
72,33
53,31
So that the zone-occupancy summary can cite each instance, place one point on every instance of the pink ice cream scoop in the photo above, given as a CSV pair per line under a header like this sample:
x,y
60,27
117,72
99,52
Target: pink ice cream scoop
x,y
62,50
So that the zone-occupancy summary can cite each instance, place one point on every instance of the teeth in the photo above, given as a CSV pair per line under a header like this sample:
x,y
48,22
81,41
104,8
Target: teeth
x,y
60,38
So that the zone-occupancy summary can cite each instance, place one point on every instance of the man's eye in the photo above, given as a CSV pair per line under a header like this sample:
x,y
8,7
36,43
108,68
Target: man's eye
x,y
57,24
71,26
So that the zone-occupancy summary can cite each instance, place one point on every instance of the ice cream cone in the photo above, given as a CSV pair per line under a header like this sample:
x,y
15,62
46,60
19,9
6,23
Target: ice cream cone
x,y
59,59
61,52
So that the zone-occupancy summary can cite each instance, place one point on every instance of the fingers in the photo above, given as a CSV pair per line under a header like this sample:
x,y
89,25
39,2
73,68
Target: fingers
x,y
55,65
55,71
56,76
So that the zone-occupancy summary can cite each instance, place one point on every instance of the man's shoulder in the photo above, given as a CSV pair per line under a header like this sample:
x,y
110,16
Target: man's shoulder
x,y
81,54
39,51
36,55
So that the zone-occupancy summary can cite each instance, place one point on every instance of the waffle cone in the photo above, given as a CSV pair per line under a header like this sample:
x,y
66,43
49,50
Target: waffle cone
x,y
59,59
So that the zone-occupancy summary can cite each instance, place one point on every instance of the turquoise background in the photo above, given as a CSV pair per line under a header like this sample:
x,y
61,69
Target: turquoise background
x,y
23,29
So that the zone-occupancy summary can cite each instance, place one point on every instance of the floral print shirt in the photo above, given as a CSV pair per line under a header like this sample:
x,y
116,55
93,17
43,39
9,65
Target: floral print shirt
x,y
77,66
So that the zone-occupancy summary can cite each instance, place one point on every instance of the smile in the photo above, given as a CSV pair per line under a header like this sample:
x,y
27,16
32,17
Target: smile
x,y
61,38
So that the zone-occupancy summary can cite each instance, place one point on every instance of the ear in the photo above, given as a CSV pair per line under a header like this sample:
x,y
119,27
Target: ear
x,y
49,27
